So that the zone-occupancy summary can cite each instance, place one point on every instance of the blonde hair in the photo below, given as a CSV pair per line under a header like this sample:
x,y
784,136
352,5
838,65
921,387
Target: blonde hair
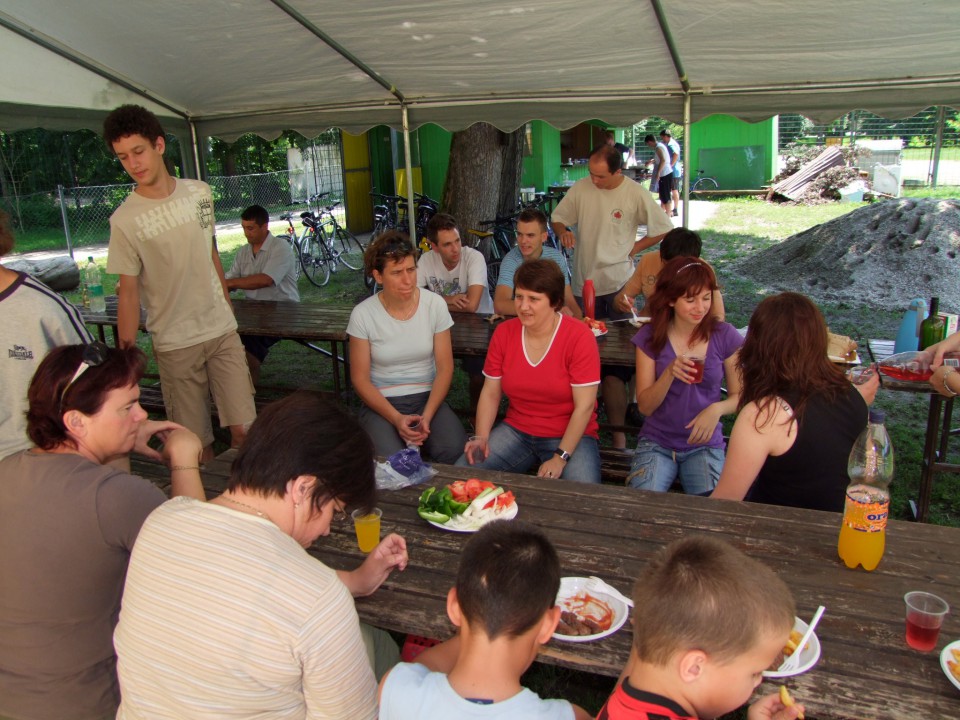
x,y
701,593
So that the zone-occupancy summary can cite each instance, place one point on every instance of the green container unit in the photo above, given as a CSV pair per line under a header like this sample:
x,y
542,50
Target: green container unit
x,y
541,162
740,155
434,144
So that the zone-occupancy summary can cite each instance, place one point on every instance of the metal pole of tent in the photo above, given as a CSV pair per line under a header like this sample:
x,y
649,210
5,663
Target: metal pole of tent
x,y
937,146
686,159
408,166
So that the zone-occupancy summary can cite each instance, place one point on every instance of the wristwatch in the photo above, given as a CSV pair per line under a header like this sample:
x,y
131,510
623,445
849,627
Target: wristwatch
x,y
564,455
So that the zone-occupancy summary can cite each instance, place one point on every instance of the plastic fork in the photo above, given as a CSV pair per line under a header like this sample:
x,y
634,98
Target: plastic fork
x,y
595,584
793,662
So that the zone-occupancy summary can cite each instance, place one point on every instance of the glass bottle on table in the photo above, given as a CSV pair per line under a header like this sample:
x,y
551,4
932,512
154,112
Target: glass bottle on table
x,y
933,329
93,283
870,467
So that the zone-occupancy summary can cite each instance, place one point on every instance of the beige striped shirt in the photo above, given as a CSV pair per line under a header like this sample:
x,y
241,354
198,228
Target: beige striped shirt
x,y
225,616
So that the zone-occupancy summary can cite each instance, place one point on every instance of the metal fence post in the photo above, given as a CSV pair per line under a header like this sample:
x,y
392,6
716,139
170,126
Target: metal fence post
x,y
66,220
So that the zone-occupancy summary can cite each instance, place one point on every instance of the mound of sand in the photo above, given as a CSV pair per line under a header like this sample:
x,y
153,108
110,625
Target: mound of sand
x,y
881,255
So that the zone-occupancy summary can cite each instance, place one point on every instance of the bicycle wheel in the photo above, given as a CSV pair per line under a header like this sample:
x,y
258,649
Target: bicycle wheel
x,y
296,254
493,275
705,184
380,226
349,248
313,258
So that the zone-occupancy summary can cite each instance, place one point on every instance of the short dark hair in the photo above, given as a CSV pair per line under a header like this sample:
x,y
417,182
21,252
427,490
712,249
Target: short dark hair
x,y
391,245
304,434
509,576
257,213
131,120
666,131
680,242
440,221
702,593
48,402
534,215
6,234
541,276
610,155
649,139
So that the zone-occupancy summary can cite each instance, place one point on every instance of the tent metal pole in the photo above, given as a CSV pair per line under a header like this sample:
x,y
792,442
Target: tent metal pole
x,y
686,156
195,147
937,146
408,167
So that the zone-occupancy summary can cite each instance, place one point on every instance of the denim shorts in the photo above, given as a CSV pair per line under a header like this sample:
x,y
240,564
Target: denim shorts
x,y
656,468
515,451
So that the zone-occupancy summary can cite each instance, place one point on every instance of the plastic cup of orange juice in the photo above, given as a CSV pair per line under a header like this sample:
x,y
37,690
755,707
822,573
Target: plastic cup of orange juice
x,y
367,527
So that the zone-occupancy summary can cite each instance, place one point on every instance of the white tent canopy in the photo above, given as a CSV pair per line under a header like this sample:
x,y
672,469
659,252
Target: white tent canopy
x,y
227,67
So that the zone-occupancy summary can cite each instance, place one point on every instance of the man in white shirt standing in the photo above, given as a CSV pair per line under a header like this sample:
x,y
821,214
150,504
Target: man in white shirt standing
x,y
673,147
607,209
459,275
265,269
662,172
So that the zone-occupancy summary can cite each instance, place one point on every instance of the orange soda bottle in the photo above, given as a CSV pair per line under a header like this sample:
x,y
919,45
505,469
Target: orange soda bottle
x,y
870,467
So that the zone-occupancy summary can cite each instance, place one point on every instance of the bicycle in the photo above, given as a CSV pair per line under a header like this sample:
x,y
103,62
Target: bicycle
x,y
293,240
494,244
704,183
325,244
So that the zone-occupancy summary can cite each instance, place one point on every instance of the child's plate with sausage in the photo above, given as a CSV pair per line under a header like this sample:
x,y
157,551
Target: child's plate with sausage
x,y
809,654
599,613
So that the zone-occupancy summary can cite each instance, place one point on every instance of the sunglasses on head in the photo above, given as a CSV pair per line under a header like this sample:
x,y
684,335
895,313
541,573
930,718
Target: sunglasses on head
x,y
94,354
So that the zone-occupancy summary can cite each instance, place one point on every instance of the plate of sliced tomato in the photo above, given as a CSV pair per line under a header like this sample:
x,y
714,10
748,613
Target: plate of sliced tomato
x,y
466,505
599,327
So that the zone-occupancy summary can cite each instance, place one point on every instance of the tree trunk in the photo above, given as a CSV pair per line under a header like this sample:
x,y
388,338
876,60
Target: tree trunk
x,y
483,179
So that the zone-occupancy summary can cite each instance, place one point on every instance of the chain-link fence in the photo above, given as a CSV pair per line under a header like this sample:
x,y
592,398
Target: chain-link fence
x,y
78,217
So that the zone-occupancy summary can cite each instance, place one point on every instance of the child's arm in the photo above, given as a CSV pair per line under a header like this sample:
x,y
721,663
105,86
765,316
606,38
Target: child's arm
x,y
442,657
769,707
580,714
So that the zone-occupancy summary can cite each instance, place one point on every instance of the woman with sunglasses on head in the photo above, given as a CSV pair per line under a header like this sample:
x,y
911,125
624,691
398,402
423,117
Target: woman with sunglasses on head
x,y
225,614
681,398
69,514
401,357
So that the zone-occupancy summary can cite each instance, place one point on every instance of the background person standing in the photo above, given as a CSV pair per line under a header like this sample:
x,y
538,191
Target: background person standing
x,y
162,245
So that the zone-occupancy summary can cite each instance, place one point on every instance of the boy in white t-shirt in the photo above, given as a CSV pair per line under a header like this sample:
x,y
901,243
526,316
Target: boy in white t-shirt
x,y
504,603
459,275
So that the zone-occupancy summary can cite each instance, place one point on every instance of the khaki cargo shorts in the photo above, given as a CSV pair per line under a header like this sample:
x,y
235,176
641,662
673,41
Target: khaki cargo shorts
x,y
189,376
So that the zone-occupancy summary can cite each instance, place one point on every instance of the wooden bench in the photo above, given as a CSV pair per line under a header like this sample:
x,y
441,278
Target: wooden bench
x,y
151,398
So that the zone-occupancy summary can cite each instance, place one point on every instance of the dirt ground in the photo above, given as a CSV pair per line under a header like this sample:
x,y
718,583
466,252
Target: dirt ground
x,y
881,255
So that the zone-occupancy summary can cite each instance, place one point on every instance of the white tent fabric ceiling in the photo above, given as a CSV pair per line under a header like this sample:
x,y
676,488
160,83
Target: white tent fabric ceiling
x,y
263,66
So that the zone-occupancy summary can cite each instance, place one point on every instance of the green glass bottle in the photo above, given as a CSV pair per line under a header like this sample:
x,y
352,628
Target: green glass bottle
x,y
934,327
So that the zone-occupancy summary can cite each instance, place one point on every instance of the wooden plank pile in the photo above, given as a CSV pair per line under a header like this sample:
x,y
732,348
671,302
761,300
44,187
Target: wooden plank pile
x,y
796,185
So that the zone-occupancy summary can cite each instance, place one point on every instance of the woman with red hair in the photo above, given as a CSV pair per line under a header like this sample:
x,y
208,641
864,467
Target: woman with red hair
x,y
70,512
799,416
682,399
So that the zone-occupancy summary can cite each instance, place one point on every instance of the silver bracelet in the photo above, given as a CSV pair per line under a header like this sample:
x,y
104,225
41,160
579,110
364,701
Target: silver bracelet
x,y
950,371
184,467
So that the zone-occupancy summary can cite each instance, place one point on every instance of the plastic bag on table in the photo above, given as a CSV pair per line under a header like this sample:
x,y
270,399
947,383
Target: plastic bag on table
x,y
402,469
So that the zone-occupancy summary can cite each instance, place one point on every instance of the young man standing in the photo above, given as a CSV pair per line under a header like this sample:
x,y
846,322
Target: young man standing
x,y
531,234
162,245
607,210
265,269
459,275
662,172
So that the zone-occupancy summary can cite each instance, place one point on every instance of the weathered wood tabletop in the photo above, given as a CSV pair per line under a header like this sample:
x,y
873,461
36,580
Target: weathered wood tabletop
x,y
866,669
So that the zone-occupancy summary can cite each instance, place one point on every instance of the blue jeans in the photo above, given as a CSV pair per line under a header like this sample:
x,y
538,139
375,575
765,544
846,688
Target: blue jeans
x,y
515,451
655,468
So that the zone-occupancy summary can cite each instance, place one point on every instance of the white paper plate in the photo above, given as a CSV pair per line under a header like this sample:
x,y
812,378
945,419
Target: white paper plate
x,y
640,321
597,333
855,360
509,514
809,655
569,588
945,655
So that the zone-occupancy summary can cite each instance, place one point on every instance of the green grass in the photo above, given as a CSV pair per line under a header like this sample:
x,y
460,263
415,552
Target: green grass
x,y
941,191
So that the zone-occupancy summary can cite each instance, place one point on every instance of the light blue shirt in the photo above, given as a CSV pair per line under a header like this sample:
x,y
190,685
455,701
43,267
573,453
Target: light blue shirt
x,y
514,259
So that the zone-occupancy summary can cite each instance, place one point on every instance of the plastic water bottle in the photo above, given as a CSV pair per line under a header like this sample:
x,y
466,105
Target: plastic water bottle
x,y
864,528
94,286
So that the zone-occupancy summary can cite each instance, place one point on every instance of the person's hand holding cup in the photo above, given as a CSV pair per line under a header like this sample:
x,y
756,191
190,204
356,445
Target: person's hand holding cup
x,y
476,449
695,363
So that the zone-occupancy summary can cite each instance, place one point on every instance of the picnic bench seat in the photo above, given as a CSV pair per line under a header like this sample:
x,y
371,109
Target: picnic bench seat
x,y
151,398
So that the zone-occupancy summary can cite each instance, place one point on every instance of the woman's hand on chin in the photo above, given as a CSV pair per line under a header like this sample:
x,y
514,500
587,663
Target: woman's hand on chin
x,y
389,555
170,434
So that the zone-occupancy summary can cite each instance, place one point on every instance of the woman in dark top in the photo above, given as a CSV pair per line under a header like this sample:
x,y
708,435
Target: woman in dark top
x,y
798,415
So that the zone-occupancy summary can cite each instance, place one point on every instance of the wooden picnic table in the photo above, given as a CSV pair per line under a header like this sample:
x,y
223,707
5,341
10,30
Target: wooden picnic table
x,y
866,670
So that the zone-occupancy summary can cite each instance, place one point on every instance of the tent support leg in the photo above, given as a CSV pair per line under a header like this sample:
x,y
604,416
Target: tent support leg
x,y
686,156
408,165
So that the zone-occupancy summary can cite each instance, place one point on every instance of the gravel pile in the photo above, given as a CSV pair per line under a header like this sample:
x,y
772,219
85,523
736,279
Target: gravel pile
x,y
881,255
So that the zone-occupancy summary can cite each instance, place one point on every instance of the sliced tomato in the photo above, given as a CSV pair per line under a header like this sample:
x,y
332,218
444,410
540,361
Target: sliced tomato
x,y
458,490
472,488
505,500
601,326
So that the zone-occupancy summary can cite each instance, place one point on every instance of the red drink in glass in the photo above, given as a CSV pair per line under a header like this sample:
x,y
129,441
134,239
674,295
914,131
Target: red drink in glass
x,y
923,631
697,369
